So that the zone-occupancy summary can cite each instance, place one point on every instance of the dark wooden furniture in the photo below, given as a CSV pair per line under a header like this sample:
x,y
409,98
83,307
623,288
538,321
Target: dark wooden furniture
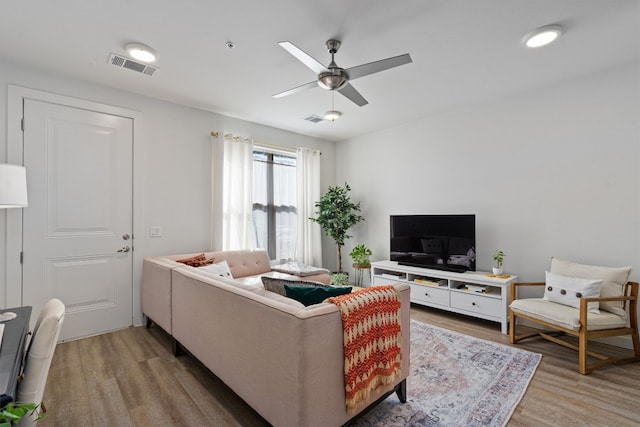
x,y
12,351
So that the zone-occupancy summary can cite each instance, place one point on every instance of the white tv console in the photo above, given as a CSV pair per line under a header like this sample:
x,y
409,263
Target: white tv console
x,y
472,293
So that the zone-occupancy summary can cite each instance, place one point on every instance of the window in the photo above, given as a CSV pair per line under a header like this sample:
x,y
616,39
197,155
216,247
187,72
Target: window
x,y
274,203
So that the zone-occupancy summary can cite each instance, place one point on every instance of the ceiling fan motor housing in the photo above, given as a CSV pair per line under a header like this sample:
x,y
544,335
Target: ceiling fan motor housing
x,y
336,78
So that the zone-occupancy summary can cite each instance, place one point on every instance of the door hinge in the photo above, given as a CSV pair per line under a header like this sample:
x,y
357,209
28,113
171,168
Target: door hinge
x,y
22,124
21,257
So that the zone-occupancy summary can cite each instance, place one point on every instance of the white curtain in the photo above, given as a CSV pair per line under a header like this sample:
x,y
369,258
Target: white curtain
x,y
237,181
308,185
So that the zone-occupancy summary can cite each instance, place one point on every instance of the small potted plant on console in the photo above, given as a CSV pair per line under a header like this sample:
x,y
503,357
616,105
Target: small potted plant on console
x,y
498,257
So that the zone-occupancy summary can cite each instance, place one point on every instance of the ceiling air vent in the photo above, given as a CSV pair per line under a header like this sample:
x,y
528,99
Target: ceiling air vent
x,y
314,119
124,62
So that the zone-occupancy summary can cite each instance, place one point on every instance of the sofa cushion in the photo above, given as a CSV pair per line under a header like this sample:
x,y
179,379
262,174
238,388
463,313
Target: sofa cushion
x,y
569,290
613,280
310,295
219,269
565,316
277,284
196,260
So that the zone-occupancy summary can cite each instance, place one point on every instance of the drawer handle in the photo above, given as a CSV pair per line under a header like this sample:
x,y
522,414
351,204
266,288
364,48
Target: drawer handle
x,y
426,294
473,303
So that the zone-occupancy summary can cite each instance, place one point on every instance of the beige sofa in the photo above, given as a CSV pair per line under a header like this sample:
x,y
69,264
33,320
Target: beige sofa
x,y
246,266
284,359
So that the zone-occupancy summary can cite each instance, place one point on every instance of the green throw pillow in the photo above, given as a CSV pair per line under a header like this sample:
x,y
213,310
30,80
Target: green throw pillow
x,y
309,296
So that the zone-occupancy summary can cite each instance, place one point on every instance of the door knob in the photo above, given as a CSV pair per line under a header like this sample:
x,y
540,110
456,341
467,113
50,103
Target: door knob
x,y
125,249
126,236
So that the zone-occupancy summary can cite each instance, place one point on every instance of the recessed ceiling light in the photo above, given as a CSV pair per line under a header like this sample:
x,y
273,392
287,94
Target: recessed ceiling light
x,y
332,115
542,36
141,52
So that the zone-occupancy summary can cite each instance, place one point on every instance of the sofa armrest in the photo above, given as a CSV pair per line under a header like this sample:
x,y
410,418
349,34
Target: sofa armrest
x,y
156,291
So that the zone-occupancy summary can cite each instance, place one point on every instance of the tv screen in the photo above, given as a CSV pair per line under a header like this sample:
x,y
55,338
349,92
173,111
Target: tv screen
x,y
443,242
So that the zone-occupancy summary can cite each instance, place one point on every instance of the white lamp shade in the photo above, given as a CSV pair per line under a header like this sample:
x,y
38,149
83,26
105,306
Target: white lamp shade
x,y
13,186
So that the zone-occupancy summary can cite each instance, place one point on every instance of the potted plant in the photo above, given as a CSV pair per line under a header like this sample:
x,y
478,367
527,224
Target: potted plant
x,y
13,412
360,256
498,257
339,279
336,214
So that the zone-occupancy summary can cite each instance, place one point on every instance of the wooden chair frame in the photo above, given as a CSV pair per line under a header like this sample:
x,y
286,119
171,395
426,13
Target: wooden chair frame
x,y
629,298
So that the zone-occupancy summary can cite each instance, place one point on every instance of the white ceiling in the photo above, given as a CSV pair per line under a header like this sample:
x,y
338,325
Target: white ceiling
x,y
464,52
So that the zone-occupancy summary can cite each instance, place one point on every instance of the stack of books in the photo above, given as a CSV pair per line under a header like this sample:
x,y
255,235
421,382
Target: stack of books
x,y
430,282
476,288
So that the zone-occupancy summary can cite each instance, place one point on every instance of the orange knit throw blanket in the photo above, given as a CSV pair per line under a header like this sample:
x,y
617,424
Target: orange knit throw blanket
x,y
372,342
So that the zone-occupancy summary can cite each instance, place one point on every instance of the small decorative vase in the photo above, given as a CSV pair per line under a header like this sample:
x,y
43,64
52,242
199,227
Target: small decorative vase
x,y
498,271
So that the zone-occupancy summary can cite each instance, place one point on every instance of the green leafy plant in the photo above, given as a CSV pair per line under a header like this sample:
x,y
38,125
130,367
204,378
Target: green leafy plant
x,y
360,255
336,214
498,257
339,279
13,412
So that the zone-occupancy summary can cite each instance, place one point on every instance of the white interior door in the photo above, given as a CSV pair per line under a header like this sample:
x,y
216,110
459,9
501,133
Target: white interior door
x,y
77,230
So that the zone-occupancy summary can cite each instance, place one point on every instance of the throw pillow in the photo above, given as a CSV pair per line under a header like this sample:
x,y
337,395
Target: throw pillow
x,y
568,290
219,269
196,260
277,285
314,295
613,280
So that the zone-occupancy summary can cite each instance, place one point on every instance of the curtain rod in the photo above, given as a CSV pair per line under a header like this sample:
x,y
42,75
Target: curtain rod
x,y
216,134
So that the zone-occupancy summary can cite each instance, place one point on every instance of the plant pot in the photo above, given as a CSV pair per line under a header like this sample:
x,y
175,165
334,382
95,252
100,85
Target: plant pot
x,y
361,266
498,271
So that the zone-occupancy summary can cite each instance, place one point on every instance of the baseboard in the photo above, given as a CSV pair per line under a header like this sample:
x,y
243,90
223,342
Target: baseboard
x,y
622,341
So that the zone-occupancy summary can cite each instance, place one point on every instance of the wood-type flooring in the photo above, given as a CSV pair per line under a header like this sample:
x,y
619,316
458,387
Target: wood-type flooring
x,y
130,378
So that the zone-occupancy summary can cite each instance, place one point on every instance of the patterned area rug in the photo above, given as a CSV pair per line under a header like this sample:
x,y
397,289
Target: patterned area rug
x,y
456,380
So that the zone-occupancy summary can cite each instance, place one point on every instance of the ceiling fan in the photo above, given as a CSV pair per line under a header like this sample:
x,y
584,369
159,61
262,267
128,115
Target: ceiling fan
x,y
333,77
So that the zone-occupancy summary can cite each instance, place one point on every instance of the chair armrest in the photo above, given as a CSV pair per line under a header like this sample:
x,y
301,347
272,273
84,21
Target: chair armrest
x,y
604,299
585,301
514,286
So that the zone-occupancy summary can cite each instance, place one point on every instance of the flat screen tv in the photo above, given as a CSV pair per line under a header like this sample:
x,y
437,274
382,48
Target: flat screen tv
x,y
442,242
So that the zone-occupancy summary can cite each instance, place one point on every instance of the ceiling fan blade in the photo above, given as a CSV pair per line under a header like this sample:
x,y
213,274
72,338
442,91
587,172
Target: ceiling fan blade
x,y
377,66
300,88
304,57
353,95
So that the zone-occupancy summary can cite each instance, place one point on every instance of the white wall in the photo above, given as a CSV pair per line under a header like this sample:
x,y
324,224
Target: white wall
x,y
171,164
551,173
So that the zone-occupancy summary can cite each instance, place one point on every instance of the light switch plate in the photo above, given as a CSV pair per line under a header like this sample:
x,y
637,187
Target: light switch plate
x,y
155,231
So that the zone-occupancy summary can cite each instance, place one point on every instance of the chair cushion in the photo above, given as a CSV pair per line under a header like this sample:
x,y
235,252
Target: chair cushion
x,y
613,280
565,316
569,290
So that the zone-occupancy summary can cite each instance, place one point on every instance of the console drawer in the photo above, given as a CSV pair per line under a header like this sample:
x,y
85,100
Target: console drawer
x,y
476,303
430,295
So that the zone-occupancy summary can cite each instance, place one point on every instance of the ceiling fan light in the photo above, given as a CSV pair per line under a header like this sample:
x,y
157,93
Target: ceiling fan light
x,y
542,36
332,115
141,52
